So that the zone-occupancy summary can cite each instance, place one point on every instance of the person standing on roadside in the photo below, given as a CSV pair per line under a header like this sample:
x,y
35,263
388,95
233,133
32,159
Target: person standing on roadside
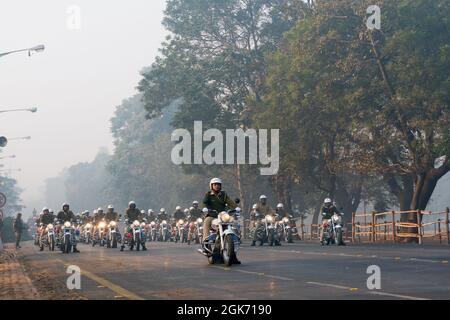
x,y
18,228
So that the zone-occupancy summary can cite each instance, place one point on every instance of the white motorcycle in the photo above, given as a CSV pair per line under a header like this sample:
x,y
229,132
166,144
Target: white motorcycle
x,y
223,243
333,230
114,236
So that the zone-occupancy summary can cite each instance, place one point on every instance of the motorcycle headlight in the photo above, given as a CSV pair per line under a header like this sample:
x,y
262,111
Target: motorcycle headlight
x,y
269,218
164,222
102,225
286,220
215,224
50,227
136,223
67,224
113,224
143,224
224,217
181,221
88,226
152,223
336,218
199,220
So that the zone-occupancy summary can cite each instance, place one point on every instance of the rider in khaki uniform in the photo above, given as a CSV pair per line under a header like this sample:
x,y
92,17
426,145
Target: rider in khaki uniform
x,y
263,209
217,200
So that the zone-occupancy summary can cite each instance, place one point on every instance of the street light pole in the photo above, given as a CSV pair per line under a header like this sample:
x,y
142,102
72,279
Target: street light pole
x,y
38,48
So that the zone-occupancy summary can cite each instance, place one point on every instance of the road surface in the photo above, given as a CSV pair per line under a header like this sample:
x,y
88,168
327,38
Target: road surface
x,y
302,270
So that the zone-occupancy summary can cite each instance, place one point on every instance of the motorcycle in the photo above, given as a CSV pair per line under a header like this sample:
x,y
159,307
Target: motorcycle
x,y
87,233
114,236
181,231
332,230
194,231
68,240
164,231
47,237
272,235
222,244
135,237
153,231
100,234
286,229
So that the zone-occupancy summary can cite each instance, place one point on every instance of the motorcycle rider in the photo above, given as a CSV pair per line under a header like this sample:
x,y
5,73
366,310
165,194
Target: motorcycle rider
x,y
281,213
151,215
217,200
195,212
263,209
162,215
327,211
85,217
178,214
99,215
132,214
66,215
111,215
45,218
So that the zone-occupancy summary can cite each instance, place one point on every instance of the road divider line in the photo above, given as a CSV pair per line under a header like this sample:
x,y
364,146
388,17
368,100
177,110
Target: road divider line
x,y
260,274
396,295
108,284
379,293
332,286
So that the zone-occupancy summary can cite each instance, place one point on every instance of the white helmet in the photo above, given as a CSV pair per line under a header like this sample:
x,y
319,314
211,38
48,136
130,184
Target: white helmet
x,y
150,211
95,211
262,197
178,208
195,203
162,210
213,181
110,206
65,205
280,206
131,202
327,200
44,209
143,211
100,209
186,210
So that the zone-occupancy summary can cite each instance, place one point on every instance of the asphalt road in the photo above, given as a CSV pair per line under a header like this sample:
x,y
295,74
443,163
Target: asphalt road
x,y
293,271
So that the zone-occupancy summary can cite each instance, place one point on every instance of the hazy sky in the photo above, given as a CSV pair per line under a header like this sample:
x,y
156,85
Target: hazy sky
x,y
76,82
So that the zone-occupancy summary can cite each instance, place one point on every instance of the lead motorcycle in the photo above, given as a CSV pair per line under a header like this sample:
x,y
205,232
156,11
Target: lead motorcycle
x,y
332,230
272,234
68,239
87,233
222,243
135,236
181,231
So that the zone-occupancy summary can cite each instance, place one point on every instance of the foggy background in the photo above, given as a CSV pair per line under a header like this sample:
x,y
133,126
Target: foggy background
x,y
76,82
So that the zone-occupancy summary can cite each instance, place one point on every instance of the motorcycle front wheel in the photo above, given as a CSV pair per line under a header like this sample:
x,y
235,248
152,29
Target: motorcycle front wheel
x,y
228,250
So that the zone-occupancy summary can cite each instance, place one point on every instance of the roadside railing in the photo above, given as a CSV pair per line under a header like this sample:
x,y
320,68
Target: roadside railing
x,y
397,225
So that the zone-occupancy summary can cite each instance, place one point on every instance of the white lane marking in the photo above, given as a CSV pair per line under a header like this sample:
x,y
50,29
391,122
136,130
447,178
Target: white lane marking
x,y
331,285
380,293
396,295
261,274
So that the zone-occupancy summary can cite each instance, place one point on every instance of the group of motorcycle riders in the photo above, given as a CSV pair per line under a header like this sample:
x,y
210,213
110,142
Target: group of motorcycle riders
x,y
264,222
